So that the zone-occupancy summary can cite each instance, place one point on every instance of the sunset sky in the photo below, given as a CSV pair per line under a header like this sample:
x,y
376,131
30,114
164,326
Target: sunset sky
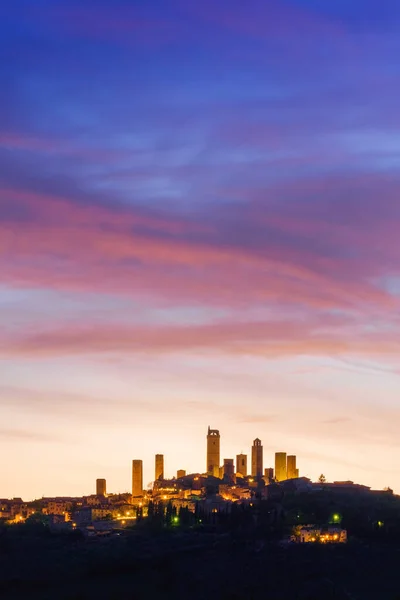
x,y
199,225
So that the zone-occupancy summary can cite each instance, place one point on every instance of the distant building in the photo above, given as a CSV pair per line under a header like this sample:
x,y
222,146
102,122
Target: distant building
x,y
291,467
324,535
280,466
215,505
269,475
101,488
257,458
184,503
93,500
159,472
234,492
229,469
137,478
15,511
57,507
241,464
180,473
342,488
213,452
97,514
5,510
300,484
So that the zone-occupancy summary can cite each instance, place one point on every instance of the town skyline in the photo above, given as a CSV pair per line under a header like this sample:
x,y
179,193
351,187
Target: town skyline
x,y
149,469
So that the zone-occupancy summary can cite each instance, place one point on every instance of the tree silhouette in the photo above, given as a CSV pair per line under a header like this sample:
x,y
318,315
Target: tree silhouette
x,y
169,513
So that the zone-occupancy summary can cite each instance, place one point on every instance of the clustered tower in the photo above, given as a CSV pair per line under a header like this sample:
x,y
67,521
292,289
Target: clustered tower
x,y
257,458
269,475
159,470
241,465
291,467
285,466
137,478
229,470
101,489
280,466
213,452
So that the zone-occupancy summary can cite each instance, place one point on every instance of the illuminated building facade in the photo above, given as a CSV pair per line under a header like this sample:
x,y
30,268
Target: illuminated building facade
x,y
291,467
101,487
280,466
180,473
241,464
137,478
257,458
159,467
313,534
213,452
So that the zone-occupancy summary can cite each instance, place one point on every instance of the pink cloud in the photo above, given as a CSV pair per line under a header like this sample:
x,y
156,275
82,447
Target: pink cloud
x,y
71,246
277,338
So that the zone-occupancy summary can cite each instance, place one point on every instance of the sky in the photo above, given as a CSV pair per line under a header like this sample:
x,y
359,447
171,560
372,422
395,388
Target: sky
x,y
199,225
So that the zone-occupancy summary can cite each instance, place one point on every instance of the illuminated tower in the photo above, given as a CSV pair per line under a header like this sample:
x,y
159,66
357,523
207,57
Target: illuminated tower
x,y
213,439
280,466
180,473
101,487
137,478
291,467
159,473
269,475
241,464
257,458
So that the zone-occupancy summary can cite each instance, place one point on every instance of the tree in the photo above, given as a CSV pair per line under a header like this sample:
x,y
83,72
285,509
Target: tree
x,y
169,513
185,517
37,524
150,511
139,514
322,478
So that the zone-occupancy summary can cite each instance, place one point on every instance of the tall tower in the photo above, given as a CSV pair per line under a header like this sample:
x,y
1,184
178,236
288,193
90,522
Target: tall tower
x,y
229,470
269,475
291,467
280,466
101,487
159,472
137,478
241,464
257,459
213,440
